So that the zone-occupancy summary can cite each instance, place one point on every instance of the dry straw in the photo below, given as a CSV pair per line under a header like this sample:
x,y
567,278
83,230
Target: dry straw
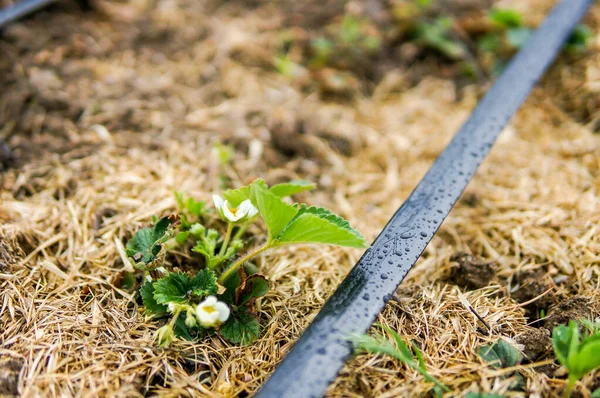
x,y
67,329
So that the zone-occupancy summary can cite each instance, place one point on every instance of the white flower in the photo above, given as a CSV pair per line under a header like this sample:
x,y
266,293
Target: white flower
x,y
211,313
243,212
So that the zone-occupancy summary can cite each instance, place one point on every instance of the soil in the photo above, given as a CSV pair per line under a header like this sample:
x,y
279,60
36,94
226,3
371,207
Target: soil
x,y
104,113
574,308
470,272
9,376
537,343
536,290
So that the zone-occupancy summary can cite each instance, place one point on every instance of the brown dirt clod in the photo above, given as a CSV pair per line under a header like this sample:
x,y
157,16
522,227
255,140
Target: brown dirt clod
x,y
537,343
470,272
575,308
9,376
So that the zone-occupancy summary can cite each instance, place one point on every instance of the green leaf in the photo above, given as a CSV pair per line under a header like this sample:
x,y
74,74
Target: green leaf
x,y
579,38
506,17
380,345
146,244
241,328
276,213
190,205
596,394
318,225
253,287
489,43
587,358
173,288
204,284
147,293
501,354
231,284
236,196
181,330
291,188
565,341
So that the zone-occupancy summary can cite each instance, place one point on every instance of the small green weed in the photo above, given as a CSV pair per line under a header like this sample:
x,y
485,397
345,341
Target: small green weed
x,y
579,354
397,348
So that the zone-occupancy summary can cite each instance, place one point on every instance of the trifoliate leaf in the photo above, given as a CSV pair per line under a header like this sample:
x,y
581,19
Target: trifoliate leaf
x,y
253,287
291,188
173,288
241,328
147,293
146,244
501,354
179,287
276,213
204,284
318,225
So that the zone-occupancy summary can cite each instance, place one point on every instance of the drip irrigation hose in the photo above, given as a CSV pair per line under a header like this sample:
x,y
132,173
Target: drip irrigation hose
x,y
323,348
21,9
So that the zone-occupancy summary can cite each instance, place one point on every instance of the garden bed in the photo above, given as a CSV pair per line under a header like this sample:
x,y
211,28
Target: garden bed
x,y
171,81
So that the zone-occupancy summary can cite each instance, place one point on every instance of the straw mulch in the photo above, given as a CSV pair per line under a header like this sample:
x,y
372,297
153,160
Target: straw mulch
x,y
167,81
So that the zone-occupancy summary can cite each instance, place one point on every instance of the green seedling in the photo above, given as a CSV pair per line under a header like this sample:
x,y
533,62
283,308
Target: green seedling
x,y
345,43
579,39
219,295
507,36
579,355
397,348
436,35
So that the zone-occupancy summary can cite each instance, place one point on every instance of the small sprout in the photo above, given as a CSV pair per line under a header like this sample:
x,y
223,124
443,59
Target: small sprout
x,y
212,313
579,356
437,36
579,39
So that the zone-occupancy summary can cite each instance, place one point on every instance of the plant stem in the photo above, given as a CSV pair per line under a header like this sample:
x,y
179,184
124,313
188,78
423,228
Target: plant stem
x,y
241,261
226,240
570,386
241,231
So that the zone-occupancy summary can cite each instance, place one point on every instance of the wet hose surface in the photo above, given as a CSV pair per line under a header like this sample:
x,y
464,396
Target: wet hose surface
x,y
322,350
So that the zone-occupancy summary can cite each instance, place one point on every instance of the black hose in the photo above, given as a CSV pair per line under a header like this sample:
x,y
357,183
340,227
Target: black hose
x,y
21,9
321,351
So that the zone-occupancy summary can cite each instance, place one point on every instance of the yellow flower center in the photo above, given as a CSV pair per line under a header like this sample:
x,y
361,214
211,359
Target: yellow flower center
x,y
233,211
209,309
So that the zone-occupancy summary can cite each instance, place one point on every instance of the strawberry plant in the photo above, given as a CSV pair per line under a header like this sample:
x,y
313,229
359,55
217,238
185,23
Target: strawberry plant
x,y
218,294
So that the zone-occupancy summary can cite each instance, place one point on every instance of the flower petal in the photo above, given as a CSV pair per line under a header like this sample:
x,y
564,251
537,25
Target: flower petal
x,y
222,310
